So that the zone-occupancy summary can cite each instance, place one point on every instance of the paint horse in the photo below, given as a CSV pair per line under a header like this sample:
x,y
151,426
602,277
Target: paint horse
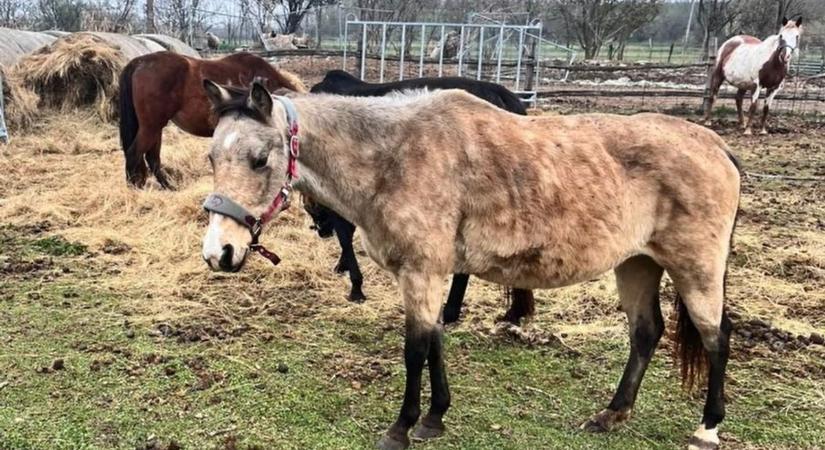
x,y
161,87
539,202
328,222
750,65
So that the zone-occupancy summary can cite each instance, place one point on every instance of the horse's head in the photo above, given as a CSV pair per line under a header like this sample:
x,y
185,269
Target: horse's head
x,y
335,81
322,217
249,159
789,38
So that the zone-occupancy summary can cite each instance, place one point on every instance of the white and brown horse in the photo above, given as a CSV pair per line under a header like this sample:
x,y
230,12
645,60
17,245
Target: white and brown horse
x,y
446,183
751,65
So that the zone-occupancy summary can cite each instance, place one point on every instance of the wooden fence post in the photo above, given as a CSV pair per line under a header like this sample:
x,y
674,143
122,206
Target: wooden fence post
x,y
670,53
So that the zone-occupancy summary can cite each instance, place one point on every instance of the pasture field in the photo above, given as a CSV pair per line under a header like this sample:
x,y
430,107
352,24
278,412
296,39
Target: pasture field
x,y
114,335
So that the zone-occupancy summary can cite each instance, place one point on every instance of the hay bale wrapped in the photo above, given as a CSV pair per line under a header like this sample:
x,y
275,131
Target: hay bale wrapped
x,y
80,70
14,44
171,44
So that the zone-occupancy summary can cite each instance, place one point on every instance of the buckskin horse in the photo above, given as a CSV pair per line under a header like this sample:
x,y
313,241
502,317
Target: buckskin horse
x,y
328,222
539,202
161,87
750,65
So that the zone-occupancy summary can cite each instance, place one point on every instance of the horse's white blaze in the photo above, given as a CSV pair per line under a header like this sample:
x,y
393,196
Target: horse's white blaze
x,y
230,139
212,247
706,435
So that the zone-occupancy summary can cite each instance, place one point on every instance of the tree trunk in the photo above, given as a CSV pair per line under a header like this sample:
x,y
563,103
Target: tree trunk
x,y
150,16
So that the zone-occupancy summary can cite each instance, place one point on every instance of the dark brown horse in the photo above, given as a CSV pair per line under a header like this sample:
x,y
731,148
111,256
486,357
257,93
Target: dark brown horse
x,y
164,86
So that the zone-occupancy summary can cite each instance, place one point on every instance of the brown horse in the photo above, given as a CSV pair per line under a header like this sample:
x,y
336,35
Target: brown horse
x,y
541,202
164,86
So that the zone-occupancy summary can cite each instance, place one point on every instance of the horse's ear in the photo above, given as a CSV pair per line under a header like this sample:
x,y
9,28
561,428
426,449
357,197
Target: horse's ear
x,y
798,21
260,99
784,21
216,94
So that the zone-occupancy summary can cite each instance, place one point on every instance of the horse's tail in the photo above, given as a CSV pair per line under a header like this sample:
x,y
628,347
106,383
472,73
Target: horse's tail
x,y
128,117
291,81
689,350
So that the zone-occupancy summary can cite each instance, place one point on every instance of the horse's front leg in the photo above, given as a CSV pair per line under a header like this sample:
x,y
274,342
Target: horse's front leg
x,y
769,95
422,304
752,110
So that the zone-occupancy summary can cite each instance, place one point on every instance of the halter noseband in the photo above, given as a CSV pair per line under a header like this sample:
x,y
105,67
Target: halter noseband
x,y
225,206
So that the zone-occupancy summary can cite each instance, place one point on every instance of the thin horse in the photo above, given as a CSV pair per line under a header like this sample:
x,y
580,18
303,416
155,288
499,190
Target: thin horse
x,y
541,202
161,87
750,65
327,221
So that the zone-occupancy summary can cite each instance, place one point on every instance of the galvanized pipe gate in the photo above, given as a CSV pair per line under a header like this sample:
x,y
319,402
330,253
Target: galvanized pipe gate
x,y
508,48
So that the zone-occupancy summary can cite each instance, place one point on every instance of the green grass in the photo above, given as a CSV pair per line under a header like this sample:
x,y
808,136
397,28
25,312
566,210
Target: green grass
x,y
123,384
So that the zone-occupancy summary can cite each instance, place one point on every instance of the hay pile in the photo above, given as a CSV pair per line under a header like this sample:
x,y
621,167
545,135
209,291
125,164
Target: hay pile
x,y
19,102
78,70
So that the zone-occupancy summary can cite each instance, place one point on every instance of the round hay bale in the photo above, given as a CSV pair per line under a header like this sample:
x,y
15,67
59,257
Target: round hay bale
x,y
80,70
171,44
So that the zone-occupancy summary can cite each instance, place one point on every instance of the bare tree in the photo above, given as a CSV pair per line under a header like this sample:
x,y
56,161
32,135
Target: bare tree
x,y
293,12
15,14
61,14
594,22
713,16
150,16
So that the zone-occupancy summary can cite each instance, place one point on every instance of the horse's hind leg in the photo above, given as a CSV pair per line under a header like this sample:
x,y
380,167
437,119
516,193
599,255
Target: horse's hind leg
x,y
153,158
703,336
740,98
638,281
136,171
716,79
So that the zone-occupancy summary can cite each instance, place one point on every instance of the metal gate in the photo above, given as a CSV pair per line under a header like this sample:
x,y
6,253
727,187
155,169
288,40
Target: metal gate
x,y
505,54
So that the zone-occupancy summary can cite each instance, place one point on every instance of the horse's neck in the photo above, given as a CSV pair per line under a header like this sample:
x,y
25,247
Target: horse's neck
x,y
339,141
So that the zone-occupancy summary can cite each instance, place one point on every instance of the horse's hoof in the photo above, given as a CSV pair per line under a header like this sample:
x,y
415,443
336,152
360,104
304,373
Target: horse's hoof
x,y
748,132
388,442
763,132
606,420
424,431
356,296
704,439
708,123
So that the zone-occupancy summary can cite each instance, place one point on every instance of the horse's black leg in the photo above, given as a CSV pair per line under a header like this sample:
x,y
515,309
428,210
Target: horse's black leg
x,y
714,411
769,94
345,231
416,350
432,424
638,282
452,309
523,305
136,172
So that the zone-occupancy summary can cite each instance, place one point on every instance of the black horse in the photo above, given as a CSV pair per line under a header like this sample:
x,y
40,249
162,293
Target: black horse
x,y
328,222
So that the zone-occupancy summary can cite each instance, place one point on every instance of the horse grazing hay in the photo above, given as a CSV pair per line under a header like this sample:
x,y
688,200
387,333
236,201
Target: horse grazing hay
x,y
80,70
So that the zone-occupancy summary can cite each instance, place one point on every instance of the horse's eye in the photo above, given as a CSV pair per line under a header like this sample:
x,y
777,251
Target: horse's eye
x,y
259,162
